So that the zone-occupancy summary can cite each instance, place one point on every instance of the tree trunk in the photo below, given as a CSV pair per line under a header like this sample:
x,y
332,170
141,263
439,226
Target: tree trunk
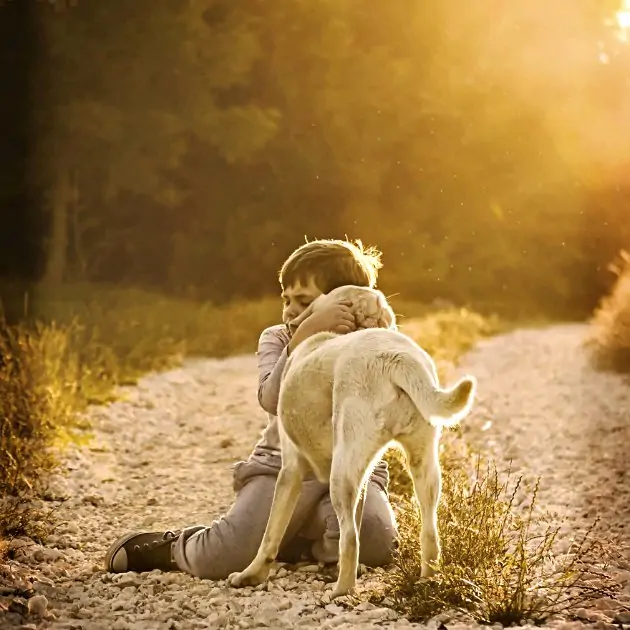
x,y
61,198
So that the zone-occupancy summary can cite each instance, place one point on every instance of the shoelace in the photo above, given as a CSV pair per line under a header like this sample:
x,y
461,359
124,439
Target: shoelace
x,y
167,535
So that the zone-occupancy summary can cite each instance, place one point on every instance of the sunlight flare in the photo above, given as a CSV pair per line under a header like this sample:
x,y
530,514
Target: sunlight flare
x,y
623,16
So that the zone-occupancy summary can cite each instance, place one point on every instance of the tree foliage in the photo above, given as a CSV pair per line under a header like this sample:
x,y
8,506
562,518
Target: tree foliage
x,y
478,145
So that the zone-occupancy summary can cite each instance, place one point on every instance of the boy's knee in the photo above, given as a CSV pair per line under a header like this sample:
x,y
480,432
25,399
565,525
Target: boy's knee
x,y
378,538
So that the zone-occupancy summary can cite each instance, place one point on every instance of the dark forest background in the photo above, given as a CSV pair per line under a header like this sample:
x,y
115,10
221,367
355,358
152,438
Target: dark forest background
x,y
187,146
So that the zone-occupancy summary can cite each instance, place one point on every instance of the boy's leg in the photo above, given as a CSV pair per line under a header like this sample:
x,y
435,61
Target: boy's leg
x,y
377,538
232,541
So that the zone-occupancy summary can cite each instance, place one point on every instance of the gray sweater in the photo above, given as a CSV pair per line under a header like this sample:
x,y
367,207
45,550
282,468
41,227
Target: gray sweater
x,y
272,356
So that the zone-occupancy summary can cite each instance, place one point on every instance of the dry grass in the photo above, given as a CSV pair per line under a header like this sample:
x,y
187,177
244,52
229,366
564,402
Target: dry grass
x,y
500,560
608,341
79,345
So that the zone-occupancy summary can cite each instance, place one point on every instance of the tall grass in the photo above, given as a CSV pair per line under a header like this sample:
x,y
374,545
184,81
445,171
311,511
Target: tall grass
x,y
608,340
501,562
78,345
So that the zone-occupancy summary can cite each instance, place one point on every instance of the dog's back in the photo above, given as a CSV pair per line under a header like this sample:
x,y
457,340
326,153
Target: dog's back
x,y
387,375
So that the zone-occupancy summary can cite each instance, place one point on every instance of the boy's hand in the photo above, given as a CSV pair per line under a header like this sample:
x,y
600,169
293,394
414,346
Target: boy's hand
x,y
337,318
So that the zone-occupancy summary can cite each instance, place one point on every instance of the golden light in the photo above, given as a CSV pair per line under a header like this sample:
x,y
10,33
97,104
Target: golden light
x,y
623,17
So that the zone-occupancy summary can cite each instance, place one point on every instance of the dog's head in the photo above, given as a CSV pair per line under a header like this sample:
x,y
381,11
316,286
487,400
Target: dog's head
x,y
369,307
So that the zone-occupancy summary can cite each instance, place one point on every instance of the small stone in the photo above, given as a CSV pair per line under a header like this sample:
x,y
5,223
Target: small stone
x,y
309,568
93,499
70,528
333,609
382,614
43,582
18,543
47,555
37,605
582,613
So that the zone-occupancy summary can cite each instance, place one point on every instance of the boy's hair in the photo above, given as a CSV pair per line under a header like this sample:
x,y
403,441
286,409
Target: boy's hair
x,y
332,263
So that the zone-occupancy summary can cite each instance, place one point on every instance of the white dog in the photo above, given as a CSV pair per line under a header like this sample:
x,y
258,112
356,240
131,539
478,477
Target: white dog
x,y
343,400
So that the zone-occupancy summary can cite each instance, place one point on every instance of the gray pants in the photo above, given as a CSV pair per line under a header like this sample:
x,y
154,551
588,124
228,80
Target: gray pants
x,y
231,542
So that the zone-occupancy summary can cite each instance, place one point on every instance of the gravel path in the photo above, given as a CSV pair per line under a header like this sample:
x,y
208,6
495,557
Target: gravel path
x,y
162,459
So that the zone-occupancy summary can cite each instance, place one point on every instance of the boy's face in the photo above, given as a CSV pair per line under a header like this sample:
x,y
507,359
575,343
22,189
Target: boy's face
x,y
296,298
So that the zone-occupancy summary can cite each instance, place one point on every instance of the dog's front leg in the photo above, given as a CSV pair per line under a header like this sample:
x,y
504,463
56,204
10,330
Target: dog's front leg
x,y
285,498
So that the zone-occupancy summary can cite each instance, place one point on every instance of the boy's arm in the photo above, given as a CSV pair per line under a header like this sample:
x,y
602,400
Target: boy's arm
x,y
274,346
272,357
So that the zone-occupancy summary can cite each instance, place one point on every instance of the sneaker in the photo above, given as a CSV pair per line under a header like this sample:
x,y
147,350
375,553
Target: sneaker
x,y
141,551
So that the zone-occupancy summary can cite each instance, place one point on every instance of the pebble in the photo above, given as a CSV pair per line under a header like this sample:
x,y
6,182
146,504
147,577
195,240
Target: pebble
x,y
37,605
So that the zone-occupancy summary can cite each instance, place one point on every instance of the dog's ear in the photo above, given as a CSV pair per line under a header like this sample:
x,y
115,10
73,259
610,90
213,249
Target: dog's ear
x,y
387,318
294,323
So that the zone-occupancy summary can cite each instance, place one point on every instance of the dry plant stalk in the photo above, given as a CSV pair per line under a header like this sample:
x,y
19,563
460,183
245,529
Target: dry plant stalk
x,y
608,341
499,561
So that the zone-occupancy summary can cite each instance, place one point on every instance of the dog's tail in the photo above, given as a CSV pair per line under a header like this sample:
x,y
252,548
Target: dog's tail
x,y
441,407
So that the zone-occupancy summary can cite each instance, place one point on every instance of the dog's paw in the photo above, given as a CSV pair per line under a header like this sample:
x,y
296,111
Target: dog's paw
x,y
428,570
338,593
326,599
244,578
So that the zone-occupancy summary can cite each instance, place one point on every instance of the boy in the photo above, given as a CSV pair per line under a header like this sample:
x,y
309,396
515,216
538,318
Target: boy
x,y
230,543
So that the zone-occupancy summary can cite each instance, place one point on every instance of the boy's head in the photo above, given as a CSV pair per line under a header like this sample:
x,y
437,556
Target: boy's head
x,y
323,265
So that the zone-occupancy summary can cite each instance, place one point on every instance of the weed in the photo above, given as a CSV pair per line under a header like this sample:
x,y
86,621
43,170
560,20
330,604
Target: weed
x,y
77,347
500,561
608,340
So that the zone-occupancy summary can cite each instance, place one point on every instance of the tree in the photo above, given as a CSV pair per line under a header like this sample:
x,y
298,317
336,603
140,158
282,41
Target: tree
x,y
119,116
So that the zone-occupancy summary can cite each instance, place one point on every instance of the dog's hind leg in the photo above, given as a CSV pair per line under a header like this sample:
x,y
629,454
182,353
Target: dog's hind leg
x,y
353,452
427,481
285,498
